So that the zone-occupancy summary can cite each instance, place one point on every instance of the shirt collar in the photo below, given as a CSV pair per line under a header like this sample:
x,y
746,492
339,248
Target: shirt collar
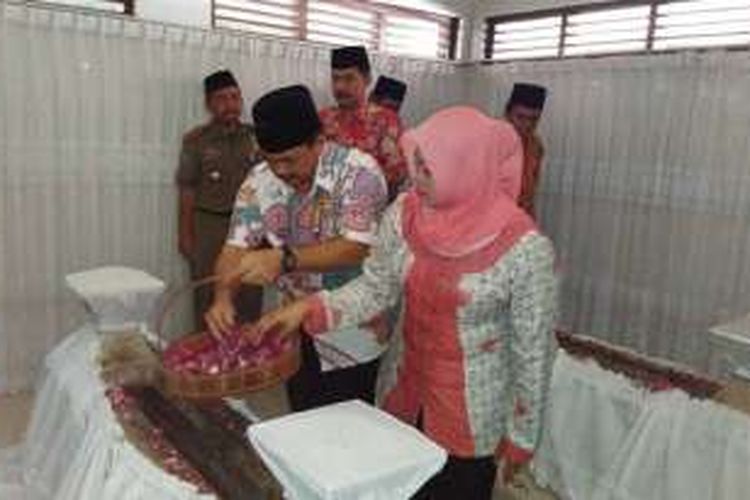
x,y
324,172
360,112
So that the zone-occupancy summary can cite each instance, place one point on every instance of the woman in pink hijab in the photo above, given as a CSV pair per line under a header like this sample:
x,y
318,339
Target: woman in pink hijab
x,y
471,357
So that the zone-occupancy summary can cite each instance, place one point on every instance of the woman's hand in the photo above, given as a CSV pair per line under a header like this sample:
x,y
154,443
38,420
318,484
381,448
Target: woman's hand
x,y
380,328
284,321
510,471
513,459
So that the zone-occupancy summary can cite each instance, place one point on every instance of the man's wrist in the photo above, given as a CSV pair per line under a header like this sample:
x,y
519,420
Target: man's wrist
x,y
223,292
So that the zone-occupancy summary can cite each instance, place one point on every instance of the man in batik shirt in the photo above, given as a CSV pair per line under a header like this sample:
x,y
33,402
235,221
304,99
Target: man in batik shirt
x,y
523,111
355,122
317,204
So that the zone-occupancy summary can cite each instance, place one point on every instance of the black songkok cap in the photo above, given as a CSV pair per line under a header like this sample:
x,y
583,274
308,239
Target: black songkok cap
x,y
219,80
391,89
529,95
351,57
285,118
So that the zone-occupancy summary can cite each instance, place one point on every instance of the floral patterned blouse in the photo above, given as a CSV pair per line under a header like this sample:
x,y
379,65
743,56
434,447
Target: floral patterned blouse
x,y
473,351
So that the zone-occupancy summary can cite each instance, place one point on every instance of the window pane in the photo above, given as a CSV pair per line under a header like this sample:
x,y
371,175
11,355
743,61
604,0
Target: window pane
x,y
328,22
104,5
607,31
413,36
531,38
702,23
701,41
265,17
591,29
341,22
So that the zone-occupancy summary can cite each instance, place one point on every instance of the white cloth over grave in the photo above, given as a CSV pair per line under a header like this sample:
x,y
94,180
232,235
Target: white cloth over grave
x,y
118,298
75,448
608,439
346,451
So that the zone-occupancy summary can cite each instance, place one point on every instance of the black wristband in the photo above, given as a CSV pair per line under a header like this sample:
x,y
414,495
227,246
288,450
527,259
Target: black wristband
x,y
288,260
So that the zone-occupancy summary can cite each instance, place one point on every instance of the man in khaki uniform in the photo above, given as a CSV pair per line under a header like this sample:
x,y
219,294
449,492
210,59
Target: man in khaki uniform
x,y
215,159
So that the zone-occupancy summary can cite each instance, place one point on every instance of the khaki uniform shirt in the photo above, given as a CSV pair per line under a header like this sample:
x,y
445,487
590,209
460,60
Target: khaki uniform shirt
x,y
214,162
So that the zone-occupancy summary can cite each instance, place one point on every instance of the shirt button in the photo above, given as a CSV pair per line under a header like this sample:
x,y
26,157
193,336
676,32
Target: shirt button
x,y
215,175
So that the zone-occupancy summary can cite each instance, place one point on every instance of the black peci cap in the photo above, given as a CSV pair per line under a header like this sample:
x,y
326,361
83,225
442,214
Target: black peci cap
x,y
529,95
351,57
285,118
219,80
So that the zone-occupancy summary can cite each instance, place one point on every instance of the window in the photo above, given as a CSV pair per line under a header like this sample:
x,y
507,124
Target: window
x,y
266,17
378,25
528,39
413,36
702,23
114,6
604,31
329,22
619,27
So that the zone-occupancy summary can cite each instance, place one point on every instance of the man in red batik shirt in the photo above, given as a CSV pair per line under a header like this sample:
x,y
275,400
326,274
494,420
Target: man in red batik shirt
x,y
364,125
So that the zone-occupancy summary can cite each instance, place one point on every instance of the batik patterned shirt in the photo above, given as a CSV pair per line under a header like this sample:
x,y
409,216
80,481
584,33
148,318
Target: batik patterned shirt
x,y
347,200
373,129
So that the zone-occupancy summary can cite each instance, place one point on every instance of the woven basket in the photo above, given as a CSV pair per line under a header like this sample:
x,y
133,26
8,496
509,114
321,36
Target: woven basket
x,y
237,383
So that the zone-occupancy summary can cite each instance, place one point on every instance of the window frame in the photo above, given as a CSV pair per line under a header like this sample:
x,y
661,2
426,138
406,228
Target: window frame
x,y
565,12
128,6
451,24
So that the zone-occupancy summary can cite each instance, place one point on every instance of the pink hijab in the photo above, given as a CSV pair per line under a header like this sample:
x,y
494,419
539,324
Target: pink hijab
x,y
476,163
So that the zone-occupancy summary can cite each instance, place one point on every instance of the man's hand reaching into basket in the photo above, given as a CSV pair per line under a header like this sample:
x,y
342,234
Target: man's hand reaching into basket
x,y
220,318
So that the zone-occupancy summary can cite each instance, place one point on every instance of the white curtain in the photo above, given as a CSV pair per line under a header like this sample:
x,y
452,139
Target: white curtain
x,y
646,191
92,109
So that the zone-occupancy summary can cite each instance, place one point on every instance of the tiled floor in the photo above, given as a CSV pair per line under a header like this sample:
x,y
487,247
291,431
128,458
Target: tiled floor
x,y
525,489
15,412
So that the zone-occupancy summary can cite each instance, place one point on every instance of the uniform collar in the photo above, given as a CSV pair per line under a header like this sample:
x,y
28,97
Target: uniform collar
x,y
221,130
